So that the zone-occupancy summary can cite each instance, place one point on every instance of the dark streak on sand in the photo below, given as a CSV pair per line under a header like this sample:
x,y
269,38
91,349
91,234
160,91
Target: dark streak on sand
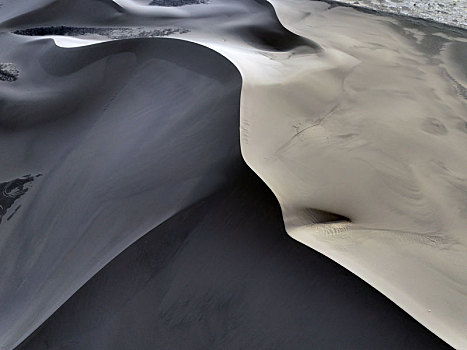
x,y
11,191
8,72
176,3
14,212
112,33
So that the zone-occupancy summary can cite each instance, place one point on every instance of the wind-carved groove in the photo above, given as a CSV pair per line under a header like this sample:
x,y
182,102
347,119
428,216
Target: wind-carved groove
x,y
323,217
335,226
324,222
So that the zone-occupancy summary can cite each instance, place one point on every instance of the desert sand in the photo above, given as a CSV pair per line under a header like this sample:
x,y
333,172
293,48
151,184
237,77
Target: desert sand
x,y
138,115
377,137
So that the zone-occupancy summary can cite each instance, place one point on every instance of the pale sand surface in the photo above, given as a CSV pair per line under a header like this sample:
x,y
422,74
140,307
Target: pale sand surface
x,y
373,129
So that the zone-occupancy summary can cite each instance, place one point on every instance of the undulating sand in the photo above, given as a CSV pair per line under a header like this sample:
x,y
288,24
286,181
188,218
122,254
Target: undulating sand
x,y
377,134
135,120
223,274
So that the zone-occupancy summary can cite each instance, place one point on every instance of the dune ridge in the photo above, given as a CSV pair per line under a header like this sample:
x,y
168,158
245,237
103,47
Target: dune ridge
x,y
113,202
352,186
186,286
404,237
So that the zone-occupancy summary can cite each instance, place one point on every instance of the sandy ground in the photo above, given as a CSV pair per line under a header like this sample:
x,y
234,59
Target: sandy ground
x,y
362,126
224,274
113,170
372,129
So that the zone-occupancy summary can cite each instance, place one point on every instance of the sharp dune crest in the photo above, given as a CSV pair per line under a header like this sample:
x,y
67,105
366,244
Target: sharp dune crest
x,y
139,113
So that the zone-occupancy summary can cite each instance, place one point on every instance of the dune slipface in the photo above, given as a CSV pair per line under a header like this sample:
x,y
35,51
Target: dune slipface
x,y
120,132
148,221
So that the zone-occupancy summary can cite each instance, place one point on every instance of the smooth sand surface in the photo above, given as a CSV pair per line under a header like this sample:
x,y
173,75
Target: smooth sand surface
x,y
344,115
126,151
377,136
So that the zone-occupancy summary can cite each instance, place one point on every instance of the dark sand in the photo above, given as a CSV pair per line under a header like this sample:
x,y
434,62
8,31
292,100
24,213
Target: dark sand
x,y
127,134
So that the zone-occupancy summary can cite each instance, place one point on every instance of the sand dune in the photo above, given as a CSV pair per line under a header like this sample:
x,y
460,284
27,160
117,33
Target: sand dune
x,y
379,139
114,167
223,274
355,121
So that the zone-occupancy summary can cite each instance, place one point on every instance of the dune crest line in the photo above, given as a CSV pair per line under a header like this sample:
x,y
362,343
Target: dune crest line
x,y
355,121
371,129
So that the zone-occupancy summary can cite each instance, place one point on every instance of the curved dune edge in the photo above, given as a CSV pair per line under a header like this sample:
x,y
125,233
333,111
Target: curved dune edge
x,y
243,279
76,227
178,174
334,66
336,241
410,282
420,270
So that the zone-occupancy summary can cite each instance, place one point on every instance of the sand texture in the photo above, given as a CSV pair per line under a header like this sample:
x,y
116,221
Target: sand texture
x,y
154,156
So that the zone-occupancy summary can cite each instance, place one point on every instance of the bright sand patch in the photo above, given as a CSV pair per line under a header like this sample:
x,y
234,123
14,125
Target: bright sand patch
x,y
373,129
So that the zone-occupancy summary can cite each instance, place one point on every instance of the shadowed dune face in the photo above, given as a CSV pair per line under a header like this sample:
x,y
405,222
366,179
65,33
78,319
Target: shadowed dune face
x,y
251,21
44,93
356,122
126,133
129,156
23,11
